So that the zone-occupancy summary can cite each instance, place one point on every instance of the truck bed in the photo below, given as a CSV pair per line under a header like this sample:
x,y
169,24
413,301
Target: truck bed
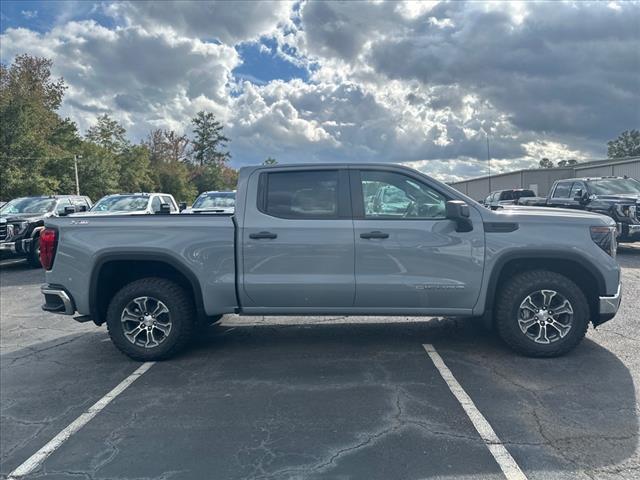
x,y
201,245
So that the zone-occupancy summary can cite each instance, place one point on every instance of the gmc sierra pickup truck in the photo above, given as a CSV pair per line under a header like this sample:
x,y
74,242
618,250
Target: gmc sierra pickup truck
x,y
319,240
616,197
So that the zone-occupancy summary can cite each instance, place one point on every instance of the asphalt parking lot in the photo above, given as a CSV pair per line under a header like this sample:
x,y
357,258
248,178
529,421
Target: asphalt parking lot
x,y
330,398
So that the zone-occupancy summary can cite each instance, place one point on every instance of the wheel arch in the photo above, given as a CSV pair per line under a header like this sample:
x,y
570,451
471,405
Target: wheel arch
x,y
572,265
112,271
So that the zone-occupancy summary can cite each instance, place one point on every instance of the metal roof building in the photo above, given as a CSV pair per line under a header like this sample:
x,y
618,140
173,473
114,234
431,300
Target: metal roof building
x,y
540,180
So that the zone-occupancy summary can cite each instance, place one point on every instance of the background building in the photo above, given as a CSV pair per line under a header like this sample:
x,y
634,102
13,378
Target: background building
x,y
540,180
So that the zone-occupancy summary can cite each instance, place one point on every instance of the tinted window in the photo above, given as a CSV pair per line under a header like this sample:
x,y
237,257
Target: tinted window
x,y
302,194
574,189
215,200
393,195
612,186
524,194
121,203
562,190
28,205
506,195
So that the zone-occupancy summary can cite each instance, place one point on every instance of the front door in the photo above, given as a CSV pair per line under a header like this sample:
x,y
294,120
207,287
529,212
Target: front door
x,y
408,255
298,241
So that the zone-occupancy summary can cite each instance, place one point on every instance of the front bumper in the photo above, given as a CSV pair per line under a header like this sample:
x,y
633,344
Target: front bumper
x,y
57,300
8,247
609,306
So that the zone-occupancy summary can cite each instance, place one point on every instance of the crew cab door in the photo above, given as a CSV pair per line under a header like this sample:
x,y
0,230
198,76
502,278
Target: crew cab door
x,y
408,255
297,240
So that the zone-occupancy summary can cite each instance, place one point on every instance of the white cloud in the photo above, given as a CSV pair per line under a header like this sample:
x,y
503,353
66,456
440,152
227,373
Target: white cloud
x,y
417,82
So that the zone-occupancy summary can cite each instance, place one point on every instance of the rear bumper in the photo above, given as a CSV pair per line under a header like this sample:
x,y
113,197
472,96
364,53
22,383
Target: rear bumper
x,y
609,306
57,300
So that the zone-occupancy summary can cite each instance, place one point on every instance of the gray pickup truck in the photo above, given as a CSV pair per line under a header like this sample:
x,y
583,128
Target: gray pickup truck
x,y
318,240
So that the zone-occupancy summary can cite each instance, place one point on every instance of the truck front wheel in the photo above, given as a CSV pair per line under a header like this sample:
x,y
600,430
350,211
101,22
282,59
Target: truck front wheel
x,y
150,319
541,313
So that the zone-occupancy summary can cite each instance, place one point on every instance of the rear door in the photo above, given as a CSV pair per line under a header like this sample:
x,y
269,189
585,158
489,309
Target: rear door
x,y
408,255
298,247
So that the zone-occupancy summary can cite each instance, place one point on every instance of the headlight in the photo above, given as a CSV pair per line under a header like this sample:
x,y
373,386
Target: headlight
x,y
20,227
605,238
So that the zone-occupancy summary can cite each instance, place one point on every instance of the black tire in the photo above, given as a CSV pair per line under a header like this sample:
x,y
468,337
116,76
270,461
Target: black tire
x,y
180,310
33,257
516,289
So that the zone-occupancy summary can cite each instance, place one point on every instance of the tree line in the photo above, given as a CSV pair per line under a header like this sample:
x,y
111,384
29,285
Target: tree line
x,y
38,148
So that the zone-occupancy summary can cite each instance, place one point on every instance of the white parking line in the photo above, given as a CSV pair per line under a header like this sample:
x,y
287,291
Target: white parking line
x,y
502,456
33,462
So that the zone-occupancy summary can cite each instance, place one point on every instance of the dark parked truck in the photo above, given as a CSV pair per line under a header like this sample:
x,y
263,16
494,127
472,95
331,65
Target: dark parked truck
x,y
616,197
22,221
319,240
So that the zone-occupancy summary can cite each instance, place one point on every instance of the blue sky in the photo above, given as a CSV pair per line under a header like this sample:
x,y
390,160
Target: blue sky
x,y
350,81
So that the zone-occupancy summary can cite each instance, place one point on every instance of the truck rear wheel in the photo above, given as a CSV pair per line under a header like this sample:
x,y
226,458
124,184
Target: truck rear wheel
x,y
541,314
150,319
33,256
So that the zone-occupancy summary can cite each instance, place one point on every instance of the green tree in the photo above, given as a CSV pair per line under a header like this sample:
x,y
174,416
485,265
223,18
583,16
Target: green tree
x,y
626,145
546,163
209,142
109,134
168,154
36,144
135,173
98,173
270,161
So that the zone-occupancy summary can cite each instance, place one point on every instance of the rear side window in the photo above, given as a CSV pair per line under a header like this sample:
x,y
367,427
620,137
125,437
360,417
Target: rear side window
x,y
167,199
506,195
301,195
562,190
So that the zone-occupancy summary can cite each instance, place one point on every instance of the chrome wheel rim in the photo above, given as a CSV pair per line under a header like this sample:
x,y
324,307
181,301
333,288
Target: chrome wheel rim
x,y
545,316
146,322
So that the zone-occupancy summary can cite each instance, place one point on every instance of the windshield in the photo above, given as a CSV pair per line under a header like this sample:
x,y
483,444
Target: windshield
x,y
613,186
28,205
216,200
121,203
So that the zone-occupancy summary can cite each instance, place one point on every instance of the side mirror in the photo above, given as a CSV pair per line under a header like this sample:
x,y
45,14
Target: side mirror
x,y
182,206
68,210
458,211
82,208
165,209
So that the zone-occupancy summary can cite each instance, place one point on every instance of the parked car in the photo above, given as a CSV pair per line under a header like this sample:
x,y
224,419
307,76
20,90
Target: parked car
x,y
616,197
22,221
303,242
512,196
135,204
214,202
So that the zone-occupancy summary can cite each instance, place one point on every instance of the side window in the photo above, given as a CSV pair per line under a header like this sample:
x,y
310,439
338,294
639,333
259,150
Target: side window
x,y
302,195
63,202
393,195
167,199
506,195
80,203
155,204
562,190
574,189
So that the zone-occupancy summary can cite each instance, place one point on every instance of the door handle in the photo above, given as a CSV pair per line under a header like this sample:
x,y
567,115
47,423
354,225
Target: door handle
x,y
261,235
376,234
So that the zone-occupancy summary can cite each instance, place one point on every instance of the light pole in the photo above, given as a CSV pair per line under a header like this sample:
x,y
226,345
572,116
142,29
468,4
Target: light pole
x,y
488,160
75,166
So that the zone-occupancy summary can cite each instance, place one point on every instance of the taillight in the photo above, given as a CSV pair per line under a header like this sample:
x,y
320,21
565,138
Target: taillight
x,y
48,244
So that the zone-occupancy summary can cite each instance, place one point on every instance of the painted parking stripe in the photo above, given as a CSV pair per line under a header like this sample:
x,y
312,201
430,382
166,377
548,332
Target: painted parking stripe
x,y
33,462
502,456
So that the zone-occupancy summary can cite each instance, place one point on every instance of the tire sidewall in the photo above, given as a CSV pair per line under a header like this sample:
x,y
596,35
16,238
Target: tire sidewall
x,y
510,330
169,294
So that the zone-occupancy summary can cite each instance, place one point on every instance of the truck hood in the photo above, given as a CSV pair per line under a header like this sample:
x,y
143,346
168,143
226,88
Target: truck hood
x,y
29,217
519,213
628,198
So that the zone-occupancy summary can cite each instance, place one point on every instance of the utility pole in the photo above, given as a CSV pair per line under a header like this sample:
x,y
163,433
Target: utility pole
x,y
75,166
488,160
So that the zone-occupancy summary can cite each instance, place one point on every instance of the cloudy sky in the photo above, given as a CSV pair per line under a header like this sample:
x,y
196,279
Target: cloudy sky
x,y
416,82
